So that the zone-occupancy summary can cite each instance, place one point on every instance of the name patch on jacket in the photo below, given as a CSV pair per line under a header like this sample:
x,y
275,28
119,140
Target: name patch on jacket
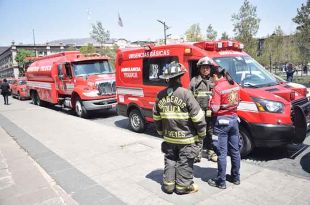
x,y
171,99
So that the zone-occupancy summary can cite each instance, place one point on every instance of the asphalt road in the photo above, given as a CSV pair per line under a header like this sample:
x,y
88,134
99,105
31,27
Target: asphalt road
x,y
293,159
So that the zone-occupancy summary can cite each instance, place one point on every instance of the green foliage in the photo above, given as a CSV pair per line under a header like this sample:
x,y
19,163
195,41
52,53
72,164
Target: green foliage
x,y
303,30
279,48
99,33
110,52
20,59
193,33
211,33
246,24
224,36
88,49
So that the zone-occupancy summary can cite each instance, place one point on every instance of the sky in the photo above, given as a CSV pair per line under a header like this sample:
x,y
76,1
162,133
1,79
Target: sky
x,y
63,19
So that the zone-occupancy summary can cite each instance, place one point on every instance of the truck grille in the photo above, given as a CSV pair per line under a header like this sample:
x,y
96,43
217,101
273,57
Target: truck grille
x,y
297,103
106,88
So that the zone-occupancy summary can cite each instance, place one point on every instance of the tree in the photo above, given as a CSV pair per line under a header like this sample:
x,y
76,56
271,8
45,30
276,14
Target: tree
x,y
21,61
246,24
110,52
193,33
99,33
211,33
303,30
88,49
224,36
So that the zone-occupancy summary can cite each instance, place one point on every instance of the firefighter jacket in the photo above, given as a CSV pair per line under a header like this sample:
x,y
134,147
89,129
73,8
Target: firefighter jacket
x,y
225,98
201,89
178,116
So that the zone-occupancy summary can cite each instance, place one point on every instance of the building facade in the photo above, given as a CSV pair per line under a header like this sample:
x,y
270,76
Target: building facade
x,y
8,64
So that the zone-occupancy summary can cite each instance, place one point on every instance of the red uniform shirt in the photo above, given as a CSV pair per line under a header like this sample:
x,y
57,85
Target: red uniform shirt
x,y
225,98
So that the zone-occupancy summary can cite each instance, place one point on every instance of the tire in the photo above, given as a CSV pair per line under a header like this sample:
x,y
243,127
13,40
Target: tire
x,y
38,100
34,98
80,109
18,96
246,143
136,121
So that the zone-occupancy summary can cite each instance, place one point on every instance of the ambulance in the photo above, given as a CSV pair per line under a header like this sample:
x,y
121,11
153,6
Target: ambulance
x,y
71,80
272,113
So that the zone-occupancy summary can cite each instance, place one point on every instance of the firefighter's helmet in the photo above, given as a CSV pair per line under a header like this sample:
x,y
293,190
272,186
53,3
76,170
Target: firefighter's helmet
x,y
207,61
173,70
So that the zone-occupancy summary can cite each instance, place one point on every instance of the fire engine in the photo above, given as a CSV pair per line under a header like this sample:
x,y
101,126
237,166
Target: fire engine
x,y
272,113
19,88
71,80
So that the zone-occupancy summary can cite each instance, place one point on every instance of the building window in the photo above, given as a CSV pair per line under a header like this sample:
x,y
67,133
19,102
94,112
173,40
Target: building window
x,y
154,67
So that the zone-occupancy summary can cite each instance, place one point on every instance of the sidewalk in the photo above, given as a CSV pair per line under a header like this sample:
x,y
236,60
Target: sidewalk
x,y
126,167
22,181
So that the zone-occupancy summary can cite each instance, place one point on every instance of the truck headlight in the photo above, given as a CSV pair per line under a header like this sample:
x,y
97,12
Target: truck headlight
x,y
92,93
268,105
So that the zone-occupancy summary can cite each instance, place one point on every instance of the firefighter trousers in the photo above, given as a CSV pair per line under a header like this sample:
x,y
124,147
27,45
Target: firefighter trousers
x,y
178,171
207,142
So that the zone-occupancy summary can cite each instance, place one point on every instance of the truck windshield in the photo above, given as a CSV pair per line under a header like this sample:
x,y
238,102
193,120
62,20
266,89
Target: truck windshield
x,y
22,82
246,71
92,68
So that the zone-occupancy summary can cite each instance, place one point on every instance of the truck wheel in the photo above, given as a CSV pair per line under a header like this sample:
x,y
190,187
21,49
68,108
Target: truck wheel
x,y
34,98
80,109
245,142
136,121
38,100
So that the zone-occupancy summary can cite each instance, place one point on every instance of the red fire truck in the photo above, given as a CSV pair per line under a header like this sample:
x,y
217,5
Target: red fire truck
x,y
72,80
272,113
19,89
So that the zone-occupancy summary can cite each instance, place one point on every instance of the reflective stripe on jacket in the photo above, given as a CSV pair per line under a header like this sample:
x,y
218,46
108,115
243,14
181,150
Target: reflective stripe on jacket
x,y
178,116
201,89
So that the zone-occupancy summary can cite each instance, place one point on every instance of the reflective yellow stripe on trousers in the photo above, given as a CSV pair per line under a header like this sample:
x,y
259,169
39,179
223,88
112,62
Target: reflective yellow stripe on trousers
x,y
190,140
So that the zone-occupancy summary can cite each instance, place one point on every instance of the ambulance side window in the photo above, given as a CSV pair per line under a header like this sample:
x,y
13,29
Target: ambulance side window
x,y
153,68
193,68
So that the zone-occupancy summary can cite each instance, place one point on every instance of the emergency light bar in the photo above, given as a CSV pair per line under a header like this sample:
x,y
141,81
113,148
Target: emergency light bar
x,y
220,45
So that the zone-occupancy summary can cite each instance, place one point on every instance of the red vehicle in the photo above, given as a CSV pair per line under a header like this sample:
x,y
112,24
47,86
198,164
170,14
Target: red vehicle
x,y
73,81
19,89
272,113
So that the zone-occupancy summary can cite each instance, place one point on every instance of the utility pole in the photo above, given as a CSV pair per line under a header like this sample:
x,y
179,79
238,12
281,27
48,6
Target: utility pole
x,y
34,43
165,29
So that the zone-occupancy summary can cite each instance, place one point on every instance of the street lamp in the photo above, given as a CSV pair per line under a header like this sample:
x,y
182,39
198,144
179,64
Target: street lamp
x,y
165,29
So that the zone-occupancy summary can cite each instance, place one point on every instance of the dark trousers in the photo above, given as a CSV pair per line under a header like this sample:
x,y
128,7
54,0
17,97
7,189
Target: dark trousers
x,y
207,142
179,161
6,99
226,130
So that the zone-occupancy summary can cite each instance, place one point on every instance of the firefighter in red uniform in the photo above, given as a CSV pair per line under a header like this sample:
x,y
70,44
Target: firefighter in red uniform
x,y
224,102
181,122
201,86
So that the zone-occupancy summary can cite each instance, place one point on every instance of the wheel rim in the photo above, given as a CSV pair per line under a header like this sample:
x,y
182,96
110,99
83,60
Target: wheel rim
x,y
135,121
33,99
78,108
38,100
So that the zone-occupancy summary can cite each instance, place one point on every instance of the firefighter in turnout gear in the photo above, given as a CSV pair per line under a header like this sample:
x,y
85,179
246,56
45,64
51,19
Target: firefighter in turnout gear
x,y
224,103
181,122
201,86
